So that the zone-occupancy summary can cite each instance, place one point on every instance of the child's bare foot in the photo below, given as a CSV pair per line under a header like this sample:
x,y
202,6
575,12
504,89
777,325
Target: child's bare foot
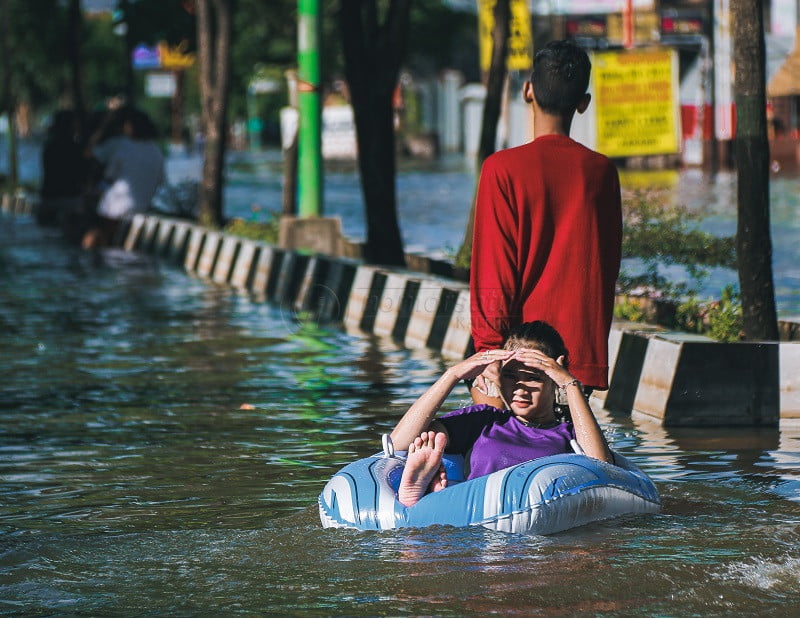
x,y
423,469
90,240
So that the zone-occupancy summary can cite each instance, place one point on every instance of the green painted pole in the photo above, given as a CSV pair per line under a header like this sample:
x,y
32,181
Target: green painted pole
x,y
310,109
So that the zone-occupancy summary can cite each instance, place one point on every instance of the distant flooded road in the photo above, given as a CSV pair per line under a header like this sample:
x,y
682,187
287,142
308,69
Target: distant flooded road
x,y
434,200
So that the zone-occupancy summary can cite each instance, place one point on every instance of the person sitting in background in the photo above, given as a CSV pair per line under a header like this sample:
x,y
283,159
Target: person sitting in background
x,y
133,169
534,369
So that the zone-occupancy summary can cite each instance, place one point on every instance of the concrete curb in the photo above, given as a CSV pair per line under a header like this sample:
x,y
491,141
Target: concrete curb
x,y
363,298
696,382
789,379
675,379
16,204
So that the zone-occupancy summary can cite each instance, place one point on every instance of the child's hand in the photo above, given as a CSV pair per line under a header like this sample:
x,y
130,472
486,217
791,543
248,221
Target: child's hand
x,y
553,368
487,382
475,365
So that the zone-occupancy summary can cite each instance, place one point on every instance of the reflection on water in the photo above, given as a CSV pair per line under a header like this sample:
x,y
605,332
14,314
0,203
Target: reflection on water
x,y
132,479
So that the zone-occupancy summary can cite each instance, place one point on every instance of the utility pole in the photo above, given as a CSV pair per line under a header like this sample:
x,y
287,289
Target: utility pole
x,y
309,230
310,109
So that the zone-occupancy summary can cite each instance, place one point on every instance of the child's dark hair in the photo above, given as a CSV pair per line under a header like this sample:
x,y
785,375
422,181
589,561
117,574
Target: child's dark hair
x,y
541,336
560,77
537,335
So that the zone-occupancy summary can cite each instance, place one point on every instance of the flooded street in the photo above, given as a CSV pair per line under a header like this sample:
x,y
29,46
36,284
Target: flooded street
x,y
132,481
181,402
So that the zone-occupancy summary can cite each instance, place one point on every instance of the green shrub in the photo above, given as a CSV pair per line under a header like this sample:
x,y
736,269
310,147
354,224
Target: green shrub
x,y
266,231
725,317
660,235
690,315
629,310
719,319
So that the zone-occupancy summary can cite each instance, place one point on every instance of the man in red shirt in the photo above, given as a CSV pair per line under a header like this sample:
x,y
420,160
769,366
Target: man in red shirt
x,y
548,228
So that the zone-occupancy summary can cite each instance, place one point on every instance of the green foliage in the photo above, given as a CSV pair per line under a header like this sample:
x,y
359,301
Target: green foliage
x,y
655,231
690,314
660,235
265,35
725,317
103,55
719,319
265,231
40,64
629,311
151,21
39,67
440,37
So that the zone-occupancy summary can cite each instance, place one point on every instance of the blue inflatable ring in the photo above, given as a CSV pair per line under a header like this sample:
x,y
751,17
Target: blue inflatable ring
x,y
542,496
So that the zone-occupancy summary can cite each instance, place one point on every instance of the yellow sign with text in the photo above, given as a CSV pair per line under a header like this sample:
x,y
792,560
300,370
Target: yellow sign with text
x,y
520,40
636,102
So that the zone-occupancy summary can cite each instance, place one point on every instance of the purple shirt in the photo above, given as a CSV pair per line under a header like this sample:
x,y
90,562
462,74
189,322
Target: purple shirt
x,y
492,439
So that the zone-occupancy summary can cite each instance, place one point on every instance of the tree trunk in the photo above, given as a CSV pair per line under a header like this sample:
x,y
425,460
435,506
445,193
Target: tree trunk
x,y
376,163
373,53
9,101
214,44
495,80
753,240
491,112
130,80
74,38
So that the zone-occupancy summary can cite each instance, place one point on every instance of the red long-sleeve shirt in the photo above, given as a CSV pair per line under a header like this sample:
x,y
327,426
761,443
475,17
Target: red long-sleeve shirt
x,y
546,246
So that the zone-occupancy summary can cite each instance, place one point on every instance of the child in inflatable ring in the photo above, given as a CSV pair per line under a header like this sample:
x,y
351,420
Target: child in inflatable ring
x,y
534,370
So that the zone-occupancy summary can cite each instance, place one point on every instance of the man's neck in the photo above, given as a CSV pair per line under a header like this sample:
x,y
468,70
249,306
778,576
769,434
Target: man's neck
x,y
550,124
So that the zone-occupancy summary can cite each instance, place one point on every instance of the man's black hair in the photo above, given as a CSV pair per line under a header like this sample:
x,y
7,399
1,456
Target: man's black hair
x,y
560,77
